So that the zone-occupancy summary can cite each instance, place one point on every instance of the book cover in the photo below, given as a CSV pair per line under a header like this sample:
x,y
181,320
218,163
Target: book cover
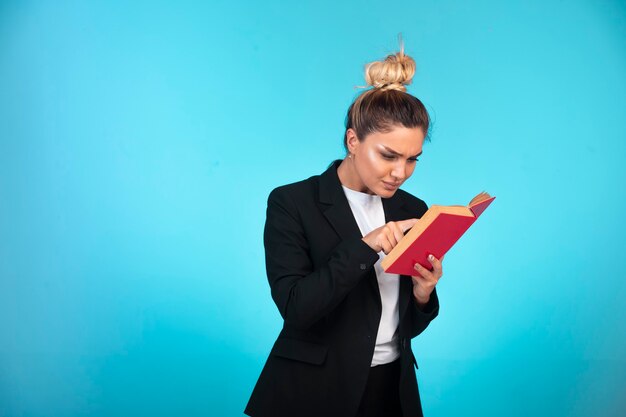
x,y
436,232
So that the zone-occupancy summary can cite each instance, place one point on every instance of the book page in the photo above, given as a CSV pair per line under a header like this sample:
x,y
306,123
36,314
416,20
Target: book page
x,y
479,199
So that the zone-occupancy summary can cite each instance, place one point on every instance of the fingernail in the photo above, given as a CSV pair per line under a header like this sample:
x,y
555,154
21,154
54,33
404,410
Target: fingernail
x,y
431,257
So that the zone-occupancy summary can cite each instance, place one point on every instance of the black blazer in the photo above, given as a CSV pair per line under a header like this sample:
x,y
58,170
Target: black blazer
x,y
323,282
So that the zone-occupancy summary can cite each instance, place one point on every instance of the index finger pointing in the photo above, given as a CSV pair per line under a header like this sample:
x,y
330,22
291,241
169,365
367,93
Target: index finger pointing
x,y
407,224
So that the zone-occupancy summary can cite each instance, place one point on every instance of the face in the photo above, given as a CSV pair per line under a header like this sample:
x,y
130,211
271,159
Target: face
x,y
383,161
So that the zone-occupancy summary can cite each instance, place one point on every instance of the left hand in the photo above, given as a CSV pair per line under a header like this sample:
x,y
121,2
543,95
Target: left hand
x,y
425,280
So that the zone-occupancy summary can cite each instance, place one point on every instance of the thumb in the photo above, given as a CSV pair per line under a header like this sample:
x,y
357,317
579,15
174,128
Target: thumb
x,y
407,224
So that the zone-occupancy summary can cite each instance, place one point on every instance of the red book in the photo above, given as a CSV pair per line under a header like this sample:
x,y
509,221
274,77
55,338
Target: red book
x,y
436,232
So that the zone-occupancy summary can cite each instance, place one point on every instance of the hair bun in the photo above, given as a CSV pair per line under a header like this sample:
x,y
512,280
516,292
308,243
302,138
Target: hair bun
x,y
394,73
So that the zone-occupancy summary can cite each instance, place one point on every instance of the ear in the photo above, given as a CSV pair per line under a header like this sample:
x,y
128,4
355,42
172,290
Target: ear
x,y
352,141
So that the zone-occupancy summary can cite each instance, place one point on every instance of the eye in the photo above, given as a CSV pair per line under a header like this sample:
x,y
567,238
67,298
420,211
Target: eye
x,y
413,159
389,157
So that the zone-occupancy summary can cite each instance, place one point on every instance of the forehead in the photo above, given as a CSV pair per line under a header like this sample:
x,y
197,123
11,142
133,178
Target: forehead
x,y
405,140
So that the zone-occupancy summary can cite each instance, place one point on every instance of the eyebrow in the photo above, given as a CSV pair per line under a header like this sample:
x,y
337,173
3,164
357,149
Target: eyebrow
x,y
398,153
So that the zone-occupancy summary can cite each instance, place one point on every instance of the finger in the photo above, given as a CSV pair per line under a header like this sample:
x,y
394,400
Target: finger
x,y
380,242
437,267
393,233
385,245
423,272
389,233
431,276
436,263
406,224
397,231
416,278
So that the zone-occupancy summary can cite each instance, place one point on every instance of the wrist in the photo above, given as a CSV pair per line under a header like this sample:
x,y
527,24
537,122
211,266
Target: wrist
x,y
421,300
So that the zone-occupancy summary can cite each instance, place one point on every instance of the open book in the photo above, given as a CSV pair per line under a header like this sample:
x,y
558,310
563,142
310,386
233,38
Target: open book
x,y
435,232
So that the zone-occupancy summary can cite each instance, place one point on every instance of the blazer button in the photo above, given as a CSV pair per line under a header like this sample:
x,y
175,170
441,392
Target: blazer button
x,y
363,266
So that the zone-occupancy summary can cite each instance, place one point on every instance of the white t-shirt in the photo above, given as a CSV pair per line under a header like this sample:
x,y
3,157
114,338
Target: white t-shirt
x,y
369,214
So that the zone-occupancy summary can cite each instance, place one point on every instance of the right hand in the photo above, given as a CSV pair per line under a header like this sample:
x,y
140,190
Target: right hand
x,y
387,236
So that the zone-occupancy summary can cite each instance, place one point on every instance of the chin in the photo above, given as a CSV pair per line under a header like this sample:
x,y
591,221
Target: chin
x,y
387,193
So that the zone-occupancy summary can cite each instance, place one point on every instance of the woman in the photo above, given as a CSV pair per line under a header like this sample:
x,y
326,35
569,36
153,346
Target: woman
x,y
345,346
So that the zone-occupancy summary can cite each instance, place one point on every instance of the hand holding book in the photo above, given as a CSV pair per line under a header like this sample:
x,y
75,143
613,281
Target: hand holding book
x,y
425,280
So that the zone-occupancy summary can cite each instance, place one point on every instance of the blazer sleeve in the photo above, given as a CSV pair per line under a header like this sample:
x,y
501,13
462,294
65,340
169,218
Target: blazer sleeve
x,y
304,295
421,318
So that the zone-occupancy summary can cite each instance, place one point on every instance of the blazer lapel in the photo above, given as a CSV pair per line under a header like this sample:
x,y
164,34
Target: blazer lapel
x,y
338,212
339,215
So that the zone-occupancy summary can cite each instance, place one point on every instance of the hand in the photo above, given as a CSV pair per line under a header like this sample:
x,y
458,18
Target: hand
x,y
425,280
387,236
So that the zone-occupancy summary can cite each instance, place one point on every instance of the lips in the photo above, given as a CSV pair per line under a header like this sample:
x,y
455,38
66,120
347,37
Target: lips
x,y
391,185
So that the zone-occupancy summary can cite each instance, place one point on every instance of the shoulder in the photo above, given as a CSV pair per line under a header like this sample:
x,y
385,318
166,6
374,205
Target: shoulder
x,y
295,195
295,191
411,202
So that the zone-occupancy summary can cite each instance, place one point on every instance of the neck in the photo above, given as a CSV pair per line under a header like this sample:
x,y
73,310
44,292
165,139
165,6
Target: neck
x,y
349,177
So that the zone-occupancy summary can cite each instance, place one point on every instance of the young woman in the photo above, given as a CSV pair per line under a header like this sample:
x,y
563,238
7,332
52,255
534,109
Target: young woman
x,y
345,346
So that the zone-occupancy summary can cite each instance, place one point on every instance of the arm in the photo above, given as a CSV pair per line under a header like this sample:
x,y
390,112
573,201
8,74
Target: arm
x,y
303,295
422,315
425,300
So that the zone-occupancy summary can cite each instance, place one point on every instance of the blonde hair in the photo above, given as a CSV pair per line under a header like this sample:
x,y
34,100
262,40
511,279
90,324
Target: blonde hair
x,y
387,104
394,73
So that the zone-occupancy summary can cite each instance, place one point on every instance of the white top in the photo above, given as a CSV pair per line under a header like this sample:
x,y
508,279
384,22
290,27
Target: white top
x,y
369,214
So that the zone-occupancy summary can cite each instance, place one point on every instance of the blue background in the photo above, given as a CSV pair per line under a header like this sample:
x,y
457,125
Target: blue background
x,y
139,142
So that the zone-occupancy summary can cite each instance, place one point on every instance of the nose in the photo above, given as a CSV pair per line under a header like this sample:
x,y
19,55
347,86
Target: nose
x,y
399,171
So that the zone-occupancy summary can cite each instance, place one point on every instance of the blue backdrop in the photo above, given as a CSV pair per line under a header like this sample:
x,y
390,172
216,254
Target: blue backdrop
x,y
139,142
